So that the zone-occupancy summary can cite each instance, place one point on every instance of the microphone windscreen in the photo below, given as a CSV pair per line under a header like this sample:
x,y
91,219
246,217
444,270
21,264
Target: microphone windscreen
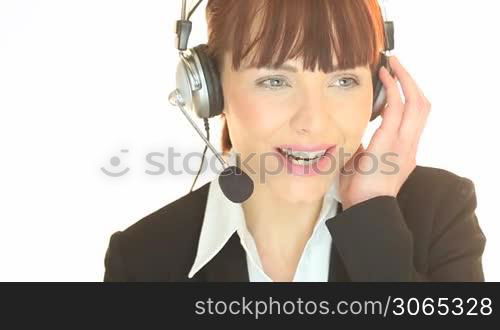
x,y
236,185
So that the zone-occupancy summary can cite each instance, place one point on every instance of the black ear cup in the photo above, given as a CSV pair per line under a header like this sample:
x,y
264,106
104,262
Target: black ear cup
x,y
212,81
379,94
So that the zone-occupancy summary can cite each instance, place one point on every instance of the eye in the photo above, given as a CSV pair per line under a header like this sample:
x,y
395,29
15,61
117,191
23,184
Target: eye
x,y
273,83
347,82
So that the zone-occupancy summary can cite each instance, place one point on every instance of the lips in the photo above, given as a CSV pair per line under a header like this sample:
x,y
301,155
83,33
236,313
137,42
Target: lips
x,y
304,151
306,147
318,164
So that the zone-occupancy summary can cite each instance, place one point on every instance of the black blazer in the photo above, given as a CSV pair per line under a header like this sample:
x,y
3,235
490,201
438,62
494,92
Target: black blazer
x,y
428,233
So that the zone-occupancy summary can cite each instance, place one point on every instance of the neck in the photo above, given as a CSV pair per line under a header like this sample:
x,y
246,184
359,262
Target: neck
x,y
277,224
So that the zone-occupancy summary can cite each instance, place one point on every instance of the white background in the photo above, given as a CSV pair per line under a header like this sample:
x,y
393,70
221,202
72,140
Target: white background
x,y
81,80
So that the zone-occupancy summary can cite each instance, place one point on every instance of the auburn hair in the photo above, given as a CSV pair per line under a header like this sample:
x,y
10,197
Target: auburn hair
x,y
351,31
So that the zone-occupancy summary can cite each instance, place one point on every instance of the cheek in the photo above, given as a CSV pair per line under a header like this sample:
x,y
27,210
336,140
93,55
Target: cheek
x,y
356,113
252,117
350,111
353,120
354,123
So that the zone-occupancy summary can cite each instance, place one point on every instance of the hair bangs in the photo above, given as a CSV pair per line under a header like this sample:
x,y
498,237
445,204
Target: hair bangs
x,y
327,35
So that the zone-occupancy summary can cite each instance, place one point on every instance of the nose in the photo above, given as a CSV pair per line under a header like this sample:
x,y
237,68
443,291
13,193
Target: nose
x,y
313,113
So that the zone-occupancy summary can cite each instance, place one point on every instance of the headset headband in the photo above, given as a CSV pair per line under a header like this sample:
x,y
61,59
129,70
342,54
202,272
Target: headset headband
x,y
183,28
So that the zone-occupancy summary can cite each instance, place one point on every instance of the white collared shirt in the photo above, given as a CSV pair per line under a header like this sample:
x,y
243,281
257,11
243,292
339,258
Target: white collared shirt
x,y
222,218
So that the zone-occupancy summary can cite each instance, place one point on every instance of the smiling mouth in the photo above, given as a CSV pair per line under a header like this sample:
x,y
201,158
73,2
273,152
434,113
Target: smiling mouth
x,y
303,157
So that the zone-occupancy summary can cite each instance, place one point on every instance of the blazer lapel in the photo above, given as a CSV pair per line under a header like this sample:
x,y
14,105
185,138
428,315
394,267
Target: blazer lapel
x,y
229,265
337,272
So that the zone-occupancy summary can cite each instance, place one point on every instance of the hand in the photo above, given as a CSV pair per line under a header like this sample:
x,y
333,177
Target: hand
x,y
399,134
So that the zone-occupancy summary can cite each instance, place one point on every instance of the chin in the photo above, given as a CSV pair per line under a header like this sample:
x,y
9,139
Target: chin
x,y
295,189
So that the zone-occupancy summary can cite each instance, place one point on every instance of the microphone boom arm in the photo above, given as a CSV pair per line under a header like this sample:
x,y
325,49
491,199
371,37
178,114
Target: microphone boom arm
x,y
175,98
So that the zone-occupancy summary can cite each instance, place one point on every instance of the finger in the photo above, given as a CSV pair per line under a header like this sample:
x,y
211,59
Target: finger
x,y
412,117
349,165
424,114
410,89
423,123
393,111
424,107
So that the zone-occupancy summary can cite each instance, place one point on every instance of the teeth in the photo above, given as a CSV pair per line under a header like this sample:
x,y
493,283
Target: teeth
x,y
303,158
304,154
303,162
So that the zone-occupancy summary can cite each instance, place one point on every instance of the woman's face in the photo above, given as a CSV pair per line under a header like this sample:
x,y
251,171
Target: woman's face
x,y
271,107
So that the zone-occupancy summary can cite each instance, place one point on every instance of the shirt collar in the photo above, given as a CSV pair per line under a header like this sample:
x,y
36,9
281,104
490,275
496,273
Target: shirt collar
x,y
222,218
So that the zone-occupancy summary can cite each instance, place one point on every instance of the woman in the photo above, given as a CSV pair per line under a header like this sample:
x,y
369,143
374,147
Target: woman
x,y
297,79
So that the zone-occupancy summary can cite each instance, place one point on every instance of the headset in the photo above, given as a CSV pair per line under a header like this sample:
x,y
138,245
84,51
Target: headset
x,y
198,88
